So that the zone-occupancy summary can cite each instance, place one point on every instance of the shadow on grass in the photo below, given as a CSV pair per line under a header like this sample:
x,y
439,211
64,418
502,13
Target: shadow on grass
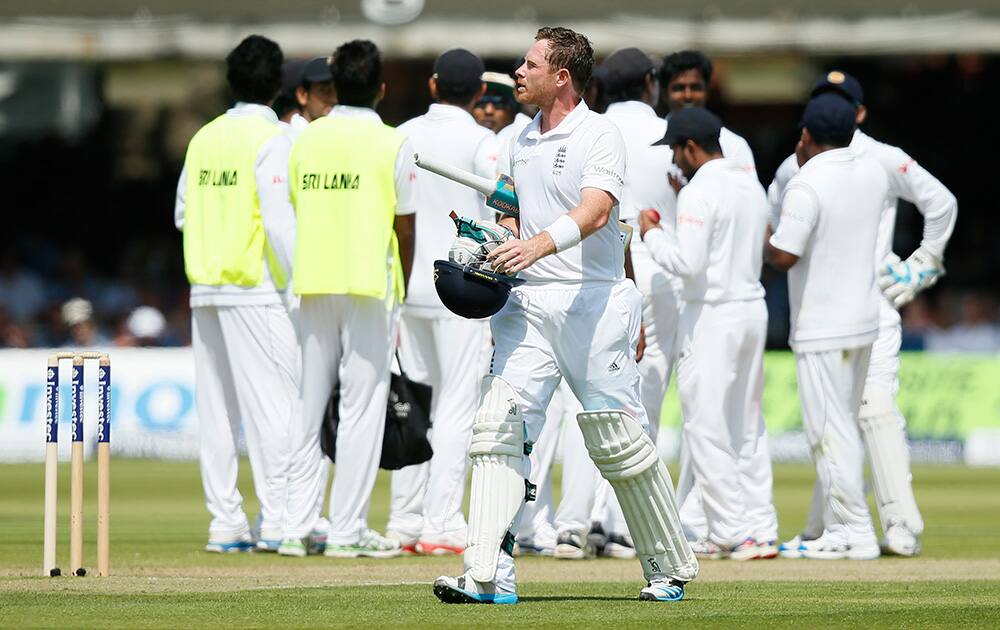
x,y
575,598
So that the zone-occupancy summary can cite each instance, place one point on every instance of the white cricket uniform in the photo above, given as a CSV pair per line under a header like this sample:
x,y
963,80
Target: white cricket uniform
x,y
830,215
717,249
507,135
755,467
576,318
645,187
437,347
247,361
347,342
910,181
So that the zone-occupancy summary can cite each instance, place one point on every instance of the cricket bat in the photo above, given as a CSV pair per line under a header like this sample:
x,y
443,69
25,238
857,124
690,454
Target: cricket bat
x,y
500,194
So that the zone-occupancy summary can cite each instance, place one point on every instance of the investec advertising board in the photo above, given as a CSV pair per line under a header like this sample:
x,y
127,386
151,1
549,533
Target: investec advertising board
x,y
952,404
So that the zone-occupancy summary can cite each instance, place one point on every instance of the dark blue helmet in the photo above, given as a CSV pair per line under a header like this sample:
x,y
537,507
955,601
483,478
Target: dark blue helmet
x,y
469,292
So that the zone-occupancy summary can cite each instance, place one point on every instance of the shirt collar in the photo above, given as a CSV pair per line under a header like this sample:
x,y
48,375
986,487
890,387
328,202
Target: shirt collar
x,y
446,110
712,166
298,122
351,111
631,108
253,109
564,128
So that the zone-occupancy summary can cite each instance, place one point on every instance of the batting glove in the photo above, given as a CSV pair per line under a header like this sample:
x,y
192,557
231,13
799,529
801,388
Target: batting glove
x,y
484,232
902,280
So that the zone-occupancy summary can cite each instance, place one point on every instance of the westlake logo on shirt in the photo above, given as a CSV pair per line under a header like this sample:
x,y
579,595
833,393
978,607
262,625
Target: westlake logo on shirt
x,y
330,181
559,162
207,177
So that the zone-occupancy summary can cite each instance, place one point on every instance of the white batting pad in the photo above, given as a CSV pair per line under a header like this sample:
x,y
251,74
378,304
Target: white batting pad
x,y
627,458
497,453
883,429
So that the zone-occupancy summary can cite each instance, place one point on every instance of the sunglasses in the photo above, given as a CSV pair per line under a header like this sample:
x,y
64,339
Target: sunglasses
x,y
497,100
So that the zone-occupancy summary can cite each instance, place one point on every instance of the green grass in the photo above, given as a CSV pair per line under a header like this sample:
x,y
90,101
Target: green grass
x,y
161,578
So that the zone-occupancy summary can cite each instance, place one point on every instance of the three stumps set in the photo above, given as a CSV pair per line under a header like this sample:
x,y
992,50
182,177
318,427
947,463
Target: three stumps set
x,y
76,462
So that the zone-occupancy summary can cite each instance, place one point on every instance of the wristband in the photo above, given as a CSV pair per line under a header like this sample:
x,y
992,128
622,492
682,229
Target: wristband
x,y
565,232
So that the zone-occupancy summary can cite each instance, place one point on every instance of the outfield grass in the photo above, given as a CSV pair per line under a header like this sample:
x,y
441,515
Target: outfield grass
x,y
161,578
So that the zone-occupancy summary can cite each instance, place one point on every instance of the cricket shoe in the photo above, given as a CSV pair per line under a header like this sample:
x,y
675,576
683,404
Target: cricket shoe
x,y
705,549
823,548
596,538
619,546
767,549
791,549
407,544
442,545
746,550
268,540
528,547
663,590
371,545
572,545
900,540
237,544
465,590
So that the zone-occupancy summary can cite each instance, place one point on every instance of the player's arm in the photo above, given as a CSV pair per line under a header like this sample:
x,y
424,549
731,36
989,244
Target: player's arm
x,y
404,225
682,251
179,201
902,280
276,211
799,214
567,231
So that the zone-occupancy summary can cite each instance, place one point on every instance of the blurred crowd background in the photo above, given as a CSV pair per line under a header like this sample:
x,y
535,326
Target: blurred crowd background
x,y
91,147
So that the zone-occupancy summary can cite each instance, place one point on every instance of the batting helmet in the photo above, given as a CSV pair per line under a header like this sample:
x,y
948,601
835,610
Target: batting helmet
x,y
469,292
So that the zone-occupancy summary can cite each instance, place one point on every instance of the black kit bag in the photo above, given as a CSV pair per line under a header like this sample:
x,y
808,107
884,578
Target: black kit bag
x,y
407,419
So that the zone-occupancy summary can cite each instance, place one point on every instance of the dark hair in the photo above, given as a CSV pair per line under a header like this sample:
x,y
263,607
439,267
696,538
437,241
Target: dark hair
x,y
357,73
630,93
456,95
284,104
834,140
678,62
708,145
571,50
253,70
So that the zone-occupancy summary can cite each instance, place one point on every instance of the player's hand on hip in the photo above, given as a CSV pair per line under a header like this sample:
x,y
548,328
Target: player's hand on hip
x,y
516,254
902,280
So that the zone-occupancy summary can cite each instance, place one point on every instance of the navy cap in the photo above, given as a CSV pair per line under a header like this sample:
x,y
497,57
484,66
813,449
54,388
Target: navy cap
x,y
829,116
317,70
691,123
625,68
459,70
840,83
291,77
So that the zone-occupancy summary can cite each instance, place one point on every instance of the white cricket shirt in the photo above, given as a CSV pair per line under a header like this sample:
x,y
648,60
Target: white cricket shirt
x,y
585,150
717,247
504,139
907,180
830,216
448,134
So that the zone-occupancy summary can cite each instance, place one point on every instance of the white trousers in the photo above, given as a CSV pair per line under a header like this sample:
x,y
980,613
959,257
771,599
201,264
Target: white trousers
x,y
830,387
889,452
720,380
451,355
246,372
585,336
347,342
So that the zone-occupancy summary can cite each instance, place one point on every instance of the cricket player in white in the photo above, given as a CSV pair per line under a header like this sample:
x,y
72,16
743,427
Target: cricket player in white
x,y
883,426
826,238
717,249
308,90
685,77
239,228
437,347
577,318
352,185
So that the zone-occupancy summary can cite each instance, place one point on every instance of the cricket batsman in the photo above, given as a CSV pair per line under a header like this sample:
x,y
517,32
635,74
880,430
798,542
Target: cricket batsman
x,y
576,317
883,426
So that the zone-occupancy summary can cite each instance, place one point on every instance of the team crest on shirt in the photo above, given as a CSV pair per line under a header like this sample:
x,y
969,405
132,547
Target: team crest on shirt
x,y
559,162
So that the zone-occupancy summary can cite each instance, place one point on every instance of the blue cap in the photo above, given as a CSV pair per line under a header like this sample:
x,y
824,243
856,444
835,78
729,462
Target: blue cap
x,y
829,116
691,123
840,83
